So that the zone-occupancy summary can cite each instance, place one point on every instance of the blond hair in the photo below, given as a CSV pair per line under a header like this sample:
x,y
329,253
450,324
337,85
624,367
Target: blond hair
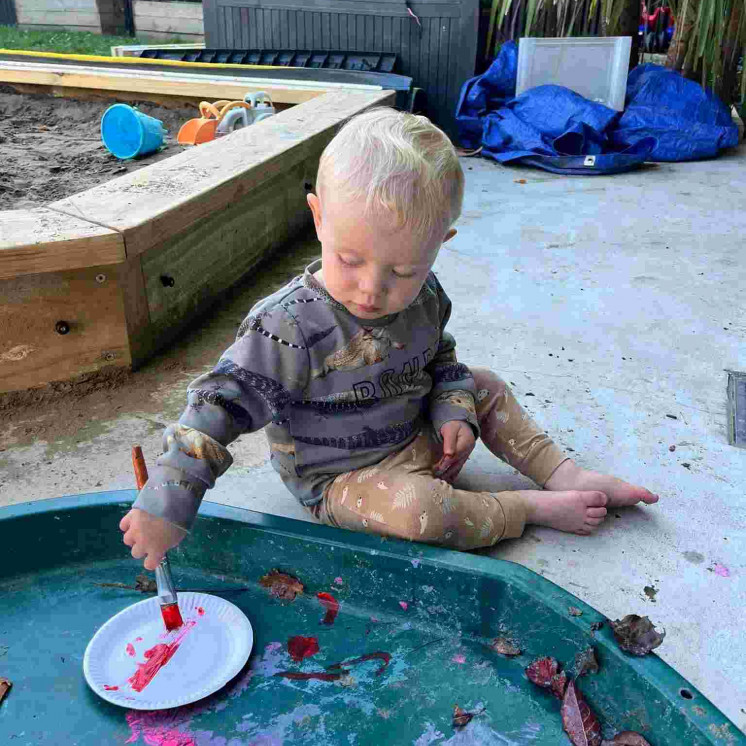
x,y
401,165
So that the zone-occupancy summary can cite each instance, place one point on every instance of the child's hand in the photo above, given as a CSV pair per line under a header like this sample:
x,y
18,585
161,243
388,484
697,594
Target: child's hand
x,y
458,443
149,535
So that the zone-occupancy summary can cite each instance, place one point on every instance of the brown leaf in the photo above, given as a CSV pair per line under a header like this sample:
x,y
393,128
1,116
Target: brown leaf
x,y
630,738
578,720
586,662
461,718
144,584
636,634
5,685
505,647
281,585
574,611
541,671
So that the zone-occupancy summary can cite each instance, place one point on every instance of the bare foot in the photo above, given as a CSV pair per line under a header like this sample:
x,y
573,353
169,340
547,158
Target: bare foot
x,y
570,476
572,511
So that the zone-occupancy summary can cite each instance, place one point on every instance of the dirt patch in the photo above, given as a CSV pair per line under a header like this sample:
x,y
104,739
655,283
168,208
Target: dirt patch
x,y
51,147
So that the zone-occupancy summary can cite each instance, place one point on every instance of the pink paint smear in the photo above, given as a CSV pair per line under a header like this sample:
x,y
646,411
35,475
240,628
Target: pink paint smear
x,y
130,649
404,605
722,570
339,581
458,658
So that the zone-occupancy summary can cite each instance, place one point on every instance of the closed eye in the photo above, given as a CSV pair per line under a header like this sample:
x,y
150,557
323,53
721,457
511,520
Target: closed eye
x,y
403,275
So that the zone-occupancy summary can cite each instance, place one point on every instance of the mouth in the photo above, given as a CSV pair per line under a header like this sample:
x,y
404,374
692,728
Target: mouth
x,y
367,309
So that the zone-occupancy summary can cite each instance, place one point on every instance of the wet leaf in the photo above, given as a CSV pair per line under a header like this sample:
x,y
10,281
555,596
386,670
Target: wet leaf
x,y
558,684
462,718
505,647
578,720
629,738
5,685
541,671
636,634
302,647
586,662
144,584
281,585
574,611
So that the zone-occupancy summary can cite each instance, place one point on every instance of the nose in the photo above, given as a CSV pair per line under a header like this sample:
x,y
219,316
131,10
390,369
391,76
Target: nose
x,y
372,284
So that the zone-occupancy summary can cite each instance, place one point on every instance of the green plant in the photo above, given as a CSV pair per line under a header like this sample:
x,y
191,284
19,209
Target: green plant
x,y
62,41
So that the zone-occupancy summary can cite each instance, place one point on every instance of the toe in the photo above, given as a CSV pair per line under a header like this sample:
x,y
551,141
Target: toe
x,y
597,499
596,512
583,531
590,521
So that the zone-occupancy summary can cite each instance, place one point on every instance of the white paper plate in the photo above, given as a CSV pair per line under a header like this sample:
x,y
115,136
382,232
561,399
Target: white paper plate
x,y
213,648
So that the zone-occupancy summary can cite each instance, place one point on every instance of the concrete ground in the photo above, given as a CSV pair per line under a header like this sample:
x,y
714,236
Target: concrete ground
x,y
614,306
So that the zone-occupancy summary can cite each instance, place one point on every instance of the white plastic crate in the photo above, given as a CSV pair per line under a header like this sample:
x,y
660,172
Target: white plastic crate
x,y
596,68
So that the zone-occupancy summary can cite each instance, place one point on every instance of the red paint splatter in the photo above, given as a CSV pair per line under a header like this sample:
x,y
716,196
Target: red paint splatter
x,y
379,655
130,649
302,647
200,611
171,617
331,605
404,605
158,728
138,639
157,657
315,675
110,688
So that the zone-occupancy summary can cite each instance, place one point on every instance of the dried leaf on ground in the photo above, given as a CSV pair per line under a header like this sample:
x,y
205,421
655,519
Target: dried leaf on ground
x,y
281,585
505,647
462,718
629,738
541,671
574,611
586,662
578,720
144,584
544,672
636,634
5,685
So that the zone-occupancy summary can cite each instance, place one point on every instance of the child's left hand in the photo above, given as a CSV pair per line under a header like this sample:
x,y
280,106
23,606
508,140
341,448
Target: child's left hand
x,y
458,443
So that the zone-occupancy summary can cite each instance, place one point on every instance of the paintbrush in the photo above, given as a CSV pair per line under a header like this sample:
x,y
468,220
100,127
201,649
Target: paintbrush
x,y
165,587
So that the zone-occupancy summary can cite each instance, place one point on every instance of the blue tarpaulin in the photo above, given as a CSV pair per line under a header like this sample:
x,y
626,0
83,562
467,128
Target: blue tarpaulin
x,y
666,118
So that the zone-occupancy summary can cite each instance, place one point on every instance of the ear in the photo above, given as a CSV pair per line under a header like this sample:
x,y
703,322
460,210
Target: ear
x,y
451,233
315,205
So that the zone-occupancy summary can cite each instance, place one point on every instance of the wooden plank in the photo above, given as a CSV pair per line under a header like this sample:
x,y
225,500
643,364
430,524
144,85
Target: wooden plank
x,y
156,202
137,314
166,25
56,6
33,353
177,84
44,240
61,18
161,9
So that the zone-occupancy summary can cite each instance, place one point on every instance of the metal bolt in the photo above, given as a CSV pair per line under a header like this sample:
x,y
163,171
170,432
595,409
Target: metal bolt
x,y
100,278
167,281
109,356
62,327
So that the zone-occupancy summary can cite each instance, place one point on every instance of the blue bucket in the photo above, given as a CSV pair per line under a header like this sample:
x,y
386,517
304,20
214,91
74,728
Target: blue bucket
x,y
128,133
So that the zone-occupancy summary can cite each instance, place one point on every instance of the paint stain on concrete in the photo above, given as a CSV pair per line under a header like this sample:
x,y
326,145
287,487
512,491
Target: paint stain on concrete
x,y
650,591
694,557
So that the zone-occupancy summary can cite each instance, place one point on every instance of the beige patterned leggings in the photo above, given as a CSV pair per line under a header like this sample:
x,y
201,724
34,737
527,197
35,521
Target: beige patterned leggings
x,y
401,497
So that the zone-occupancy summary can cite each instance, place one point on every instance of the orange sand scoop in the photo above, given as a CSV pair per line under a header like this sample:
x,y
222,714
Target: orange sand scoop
x,y
197,131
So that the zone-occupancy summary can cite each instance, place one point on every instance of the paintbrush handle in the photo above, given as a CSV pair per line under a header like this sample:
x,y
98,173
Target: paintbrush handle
x,y
138,464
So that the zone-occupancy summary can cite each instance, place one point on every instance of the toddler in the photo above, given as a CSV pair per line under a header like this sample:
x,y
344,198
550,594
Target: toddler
x,y
349,368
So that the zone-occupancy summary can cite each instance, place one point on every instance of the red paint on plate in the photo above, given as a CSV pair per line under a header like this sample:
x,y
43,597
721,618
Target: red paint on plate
x,y
302,647
110,688
156,658
130,649
331,605
200,611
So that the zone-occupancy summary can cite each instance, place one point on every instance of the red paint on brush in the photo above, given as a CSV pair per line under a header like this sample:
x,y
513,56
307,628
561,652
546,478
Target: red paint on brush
x,y
156,658
305,676
379,655
200,611
130,649
331,605
302,647
110,688
171,616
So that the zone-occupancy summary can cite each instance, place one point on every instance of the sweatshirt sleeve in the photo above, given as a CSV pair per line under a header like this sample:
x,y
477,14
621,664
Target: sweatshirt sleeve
x,y
253,383
454,391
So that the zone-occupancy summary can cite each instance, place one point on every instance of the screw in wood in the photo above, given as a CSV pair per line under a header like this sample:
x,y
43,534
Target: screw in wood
x,y
62,327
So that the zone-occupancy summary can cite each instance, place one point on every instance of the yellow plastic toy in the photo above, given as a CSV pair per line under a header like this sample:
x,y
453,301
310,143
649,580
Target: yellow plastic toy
x,y
198,131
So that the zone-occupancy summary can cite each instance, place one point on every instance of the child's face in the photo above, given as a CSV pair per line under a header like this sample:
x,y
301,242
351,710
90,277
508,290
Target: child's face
x,y
368,267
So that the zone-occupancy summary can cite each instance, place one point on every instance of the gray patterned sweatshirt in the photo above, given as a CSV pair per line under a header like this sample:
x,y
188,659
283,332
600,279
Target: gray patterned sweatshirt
x,y
335,393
